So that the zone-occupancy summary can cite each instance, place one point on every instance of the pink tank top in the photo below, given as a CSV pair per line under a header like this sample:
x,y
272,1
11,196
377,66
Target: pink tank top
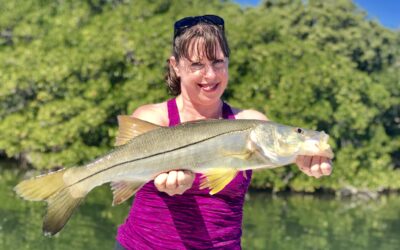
x,y
193,220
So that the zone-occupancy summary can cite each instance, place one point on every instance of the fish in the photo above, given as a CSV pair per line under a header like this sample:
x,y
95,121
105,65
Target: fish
x,y
218,149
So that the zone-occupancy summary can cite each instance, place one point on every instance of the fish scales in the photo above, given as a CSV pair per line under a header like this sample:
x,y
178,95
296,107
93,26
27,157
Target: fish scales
x,y
181,143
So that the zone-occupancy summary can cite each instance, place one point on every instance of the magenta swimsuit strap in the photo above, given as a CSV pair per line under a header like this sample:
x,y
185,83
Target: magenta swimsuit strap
x,y
173,112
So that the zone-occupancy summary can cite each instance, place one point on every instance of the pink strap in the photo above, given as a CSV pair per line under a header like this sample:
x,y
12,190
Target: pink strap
x,y
173,113
227,112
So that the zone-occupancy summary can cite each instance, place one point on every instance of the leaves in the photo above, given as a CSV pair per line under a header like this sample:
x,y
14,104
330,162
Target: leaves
x,y
69,68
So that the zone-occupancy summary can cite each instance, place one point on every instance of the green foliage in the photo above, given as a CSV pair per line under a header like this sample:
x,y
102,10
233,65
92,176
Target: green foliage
x,y
322,65
68,68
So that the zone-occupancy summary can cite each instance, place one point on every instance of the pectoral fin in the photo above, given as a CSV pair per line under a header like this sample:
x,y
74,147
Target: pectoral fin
x,y
123,190
216,179
244,155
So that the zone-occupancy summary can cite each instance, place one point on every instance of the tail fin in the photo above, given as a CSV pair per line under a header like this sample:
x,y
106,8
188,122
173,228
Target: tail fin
x,y
60,208
41,187
53,189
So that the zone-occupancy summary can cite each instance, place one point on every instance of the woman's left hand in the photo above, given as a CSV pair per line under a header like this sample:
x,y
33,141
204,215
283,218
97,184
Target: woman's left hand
x,y
315,166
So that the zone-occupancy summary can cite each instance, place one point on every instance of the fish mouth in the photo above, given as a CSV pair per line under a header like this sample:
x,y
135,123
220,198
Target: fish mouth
x,y
319,146
208,87
324,147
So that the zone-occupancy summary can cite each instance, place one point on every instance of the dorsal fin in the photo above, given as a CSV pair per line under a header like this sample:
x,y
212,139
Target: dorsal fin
x,y
130,127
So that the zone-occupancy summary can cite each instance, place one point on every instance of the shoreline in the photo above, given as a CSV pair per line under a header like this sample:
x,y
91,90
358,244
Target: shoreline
x,y
9,164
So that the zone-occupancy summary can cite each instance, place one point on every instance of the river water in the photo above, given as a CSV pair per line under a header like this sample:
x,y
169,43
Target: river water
x,y
270,221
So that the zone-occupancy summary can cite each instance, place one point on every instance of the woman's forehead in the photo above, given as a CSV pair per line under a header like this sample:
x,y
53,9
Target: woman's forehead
x,y
198,49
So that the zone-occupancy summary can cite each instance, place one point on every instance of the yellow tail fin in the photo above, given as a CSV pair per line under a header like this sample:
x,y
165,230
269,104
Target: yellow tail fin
x,y
41,187
59,210
53,189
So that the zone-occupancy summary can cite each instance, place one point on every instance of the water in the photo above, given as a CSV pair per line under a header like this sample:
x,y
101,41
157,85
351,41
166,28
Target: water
x,y
270,222
318,222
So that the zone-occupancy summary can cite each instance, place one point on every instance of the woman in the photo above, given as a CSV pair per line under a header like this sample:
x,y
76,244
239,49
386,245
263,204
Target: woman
x,y
171,212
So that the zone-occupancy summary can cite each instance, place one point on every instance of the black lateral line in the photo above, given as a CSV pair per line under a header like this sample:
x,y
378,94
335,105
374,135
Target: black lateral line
x,y
156,154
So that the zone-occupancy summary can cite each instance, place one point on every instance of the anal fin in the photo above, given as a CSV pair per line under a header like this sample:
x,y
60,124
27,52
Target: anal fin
x,y
123,190
217,178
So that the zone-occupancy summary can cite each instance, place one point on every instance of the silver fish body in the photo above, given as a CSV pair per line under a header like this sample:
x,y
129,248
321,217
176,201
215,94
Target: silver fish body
x,y
194,146
218,149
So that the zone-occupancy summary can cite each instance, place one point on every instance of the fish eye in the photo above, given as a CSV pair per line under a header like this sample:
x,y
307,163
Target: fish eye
x,y
299,130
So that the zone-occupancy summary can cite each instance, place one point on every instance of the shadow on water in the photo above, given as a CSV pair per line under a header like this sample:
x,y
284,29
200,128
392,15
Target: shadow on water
x,y
270,221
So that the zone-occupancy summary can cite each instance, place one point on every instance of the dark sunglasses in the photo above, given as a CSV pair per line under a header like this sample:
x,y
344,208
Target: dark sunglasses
x,y
190,21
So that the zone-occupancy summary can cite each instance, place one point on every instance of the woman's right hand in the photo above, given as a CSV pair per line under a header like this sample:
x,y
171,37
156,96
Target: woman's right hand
x,y
174,182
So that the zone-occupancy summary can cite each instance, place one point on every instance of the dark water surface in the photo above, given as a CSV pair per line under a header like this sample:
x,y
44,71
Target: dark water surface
x,y
270,222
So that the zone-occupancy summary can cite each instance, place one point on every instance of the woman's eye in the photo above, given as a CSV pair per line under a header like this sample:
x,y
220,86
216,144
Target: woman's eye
x,y
196,65
219,63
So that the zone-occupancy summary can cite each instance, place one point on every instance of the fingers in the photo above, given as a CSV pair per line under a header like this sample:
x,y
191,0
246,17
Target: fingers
x,y
326,166
185,181
185,178
160,182
171,182
304,163
174,182
315,166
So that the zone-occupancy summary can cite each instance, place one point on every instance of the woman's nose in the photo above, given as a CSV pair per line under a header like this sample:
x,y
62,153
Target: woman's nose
x,y
209,71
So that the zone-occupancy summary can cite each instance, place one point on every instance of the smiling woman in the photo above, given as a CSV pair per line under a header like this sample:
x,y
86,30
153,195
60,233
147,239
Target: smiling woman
x,y
186,216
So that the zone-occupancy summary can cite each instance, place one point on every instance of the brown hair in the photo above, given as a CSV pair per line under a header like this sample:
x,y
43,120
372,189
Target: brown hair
x,y
182,47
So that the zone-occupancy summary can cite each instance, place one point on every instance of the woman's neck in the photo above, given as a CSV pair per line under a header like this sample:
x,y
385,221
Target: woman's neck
x,y
190,111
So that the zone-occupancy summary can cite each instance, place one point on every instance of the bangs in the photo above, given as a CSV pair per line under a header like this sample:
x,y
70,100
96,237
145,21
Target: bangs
x,y
201,41
200,48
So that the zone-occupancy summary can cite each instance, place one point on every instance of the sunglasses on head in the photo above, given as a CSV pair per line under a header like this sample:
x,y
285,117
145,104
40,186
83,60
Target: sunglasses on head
x,y
190,21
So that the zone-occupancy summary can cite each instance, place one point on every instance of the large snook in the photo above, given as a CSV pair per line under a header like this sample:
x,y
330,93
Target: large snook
x,y
218,149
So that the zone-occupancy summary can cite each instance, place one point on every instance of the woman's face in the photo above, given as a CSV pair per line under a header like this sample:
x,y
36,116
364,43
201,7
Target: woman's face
x,y
203,81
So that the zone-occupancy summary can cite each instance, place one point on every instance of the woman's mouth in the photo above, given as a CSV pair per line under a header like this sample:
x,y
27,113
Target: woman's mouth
x,y
208,87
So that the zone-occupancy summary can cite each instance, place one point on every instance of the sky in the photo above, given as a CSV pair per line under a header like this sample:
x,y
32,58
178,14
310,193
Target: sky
x,y
387,12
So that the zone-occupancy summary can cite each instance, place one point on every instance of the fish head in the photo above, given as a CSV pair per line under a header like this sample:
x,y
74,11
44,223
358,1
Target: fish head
x,y
316,143
283,144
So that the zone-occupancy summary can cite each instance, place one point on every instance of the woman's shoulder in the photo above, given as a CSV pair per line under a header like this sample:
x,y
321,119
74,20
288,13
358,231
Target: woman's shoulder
x,y
248,114
156,113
